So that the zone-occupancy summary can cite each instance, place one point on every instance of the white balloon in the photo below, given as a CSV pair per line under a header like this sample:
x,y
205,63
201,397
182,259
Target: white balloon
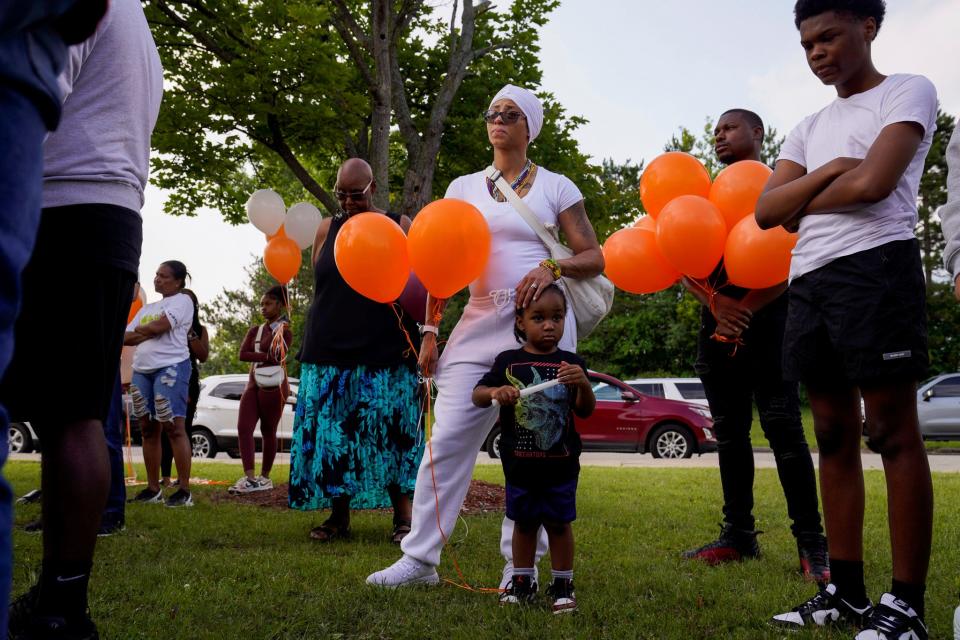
x,y
301,224
266,211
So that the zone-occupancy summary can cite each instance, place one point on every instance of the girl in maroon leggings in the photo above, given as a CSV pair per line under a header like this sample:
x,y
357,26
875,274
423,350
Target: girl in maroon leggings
x,y
263,400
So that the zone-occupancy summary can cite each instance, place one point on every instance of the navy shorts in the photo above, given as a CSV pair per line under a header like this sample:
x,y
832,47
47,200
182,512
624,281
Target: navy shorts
x,y
536,505
859,319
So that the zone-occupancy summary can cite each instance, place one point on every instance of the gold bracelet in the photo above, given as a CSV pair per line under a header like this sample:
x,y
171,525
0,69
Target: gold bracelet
x,y
552,266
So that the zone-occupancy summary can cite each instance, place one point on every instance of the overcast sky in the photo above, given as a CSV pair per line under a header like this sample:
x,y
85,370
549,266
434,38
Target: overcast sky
x,y
637,71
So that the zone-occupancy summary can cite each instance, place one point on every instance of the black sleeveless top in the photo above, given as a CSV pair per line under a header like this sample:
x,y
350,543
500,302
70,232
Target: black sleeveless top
x,y
346,329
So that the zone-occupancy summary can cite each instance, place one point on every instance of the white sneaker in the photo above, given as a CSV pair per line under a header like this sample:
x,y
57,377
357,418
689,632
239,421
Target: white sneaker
x,y
250,485
956,624
404,572
265,483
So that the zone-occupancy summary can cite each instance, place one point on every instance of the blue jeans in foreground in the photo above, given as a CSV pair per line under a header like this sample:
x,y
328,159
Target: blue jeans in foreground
x,y
21,171
113,432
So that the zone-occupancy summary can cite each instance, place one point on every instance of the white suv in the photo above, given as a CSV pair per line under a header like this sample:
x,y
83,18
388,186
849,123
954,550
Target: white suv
x,y
686,389
215,425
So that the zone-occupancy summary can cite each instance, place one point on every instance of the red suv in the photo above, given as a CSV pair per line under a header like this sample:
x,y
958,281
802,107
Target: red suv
x,y
628,421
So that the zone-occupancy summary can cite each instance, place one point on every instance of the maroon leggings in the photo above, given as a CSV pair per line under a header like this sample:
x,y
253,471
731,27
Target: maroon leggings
x,y
265,405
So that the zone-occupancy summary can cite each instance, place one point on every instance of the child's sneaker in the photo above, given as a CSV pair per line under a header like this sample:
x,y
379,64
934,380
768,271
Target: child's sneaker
x,y
822,609
520,590
147,496
733,545
180,499
561,592
893,619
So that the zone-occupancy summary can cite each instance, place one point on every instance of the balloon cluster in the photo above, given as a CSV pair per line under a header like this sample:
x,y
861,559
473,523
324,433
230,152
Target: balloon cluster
x,y
693,224
288,231
447,248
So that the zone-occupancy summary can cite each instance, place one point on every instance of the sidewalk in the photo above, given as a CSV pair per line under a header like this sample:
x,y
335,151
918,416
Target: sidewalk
x,y
942,463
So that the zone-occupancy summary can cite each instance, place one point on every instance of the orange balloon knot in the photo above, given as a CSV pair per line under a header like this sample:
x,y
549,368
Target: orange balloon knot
x,y
736,342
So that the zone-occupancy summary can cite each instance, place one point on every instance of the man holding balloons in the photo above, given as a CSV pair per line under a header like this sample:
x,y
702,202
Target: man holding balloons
x,y
739,362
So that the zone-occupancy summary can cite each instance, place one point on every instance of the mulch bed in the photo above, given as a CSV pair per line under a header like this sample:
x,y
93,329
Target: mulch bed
x,y
483,497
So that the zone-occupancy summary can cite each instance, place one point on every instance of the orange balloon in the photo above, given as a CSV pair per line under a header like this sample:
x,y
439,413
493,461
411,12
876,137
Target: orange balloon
x,y
634,262
691,234
282,258
449,245
757,259
649,223
737,188
671,175
136,306
371,255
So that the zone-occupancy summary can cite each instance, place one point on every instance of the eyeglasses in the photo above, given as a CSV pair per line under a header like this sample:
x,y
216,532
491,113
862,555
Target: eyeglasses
x,y
353,195
508,117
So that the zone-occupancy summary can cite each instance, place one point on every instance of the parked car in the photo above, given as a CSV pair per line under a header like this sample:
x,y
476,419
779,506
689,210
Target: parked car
x,y
215,425
938,407
22,438
629,421
686,389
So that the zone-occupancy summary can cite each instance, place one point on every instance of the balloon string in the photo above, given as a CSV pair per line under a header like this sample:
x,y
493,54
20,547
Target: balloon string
x,y
463,584
711,291
411,350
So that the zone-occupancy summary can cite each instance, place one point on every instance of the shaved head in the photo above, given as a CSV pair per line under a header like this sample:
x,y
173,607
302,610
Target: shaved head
x,y
355,186
355,173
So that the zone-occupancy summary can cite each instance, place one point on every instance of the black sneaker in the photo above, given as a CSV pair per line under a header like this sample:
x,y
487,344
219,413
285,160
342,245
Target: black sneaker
x,y
34,527
26,624
733,545
520,590
814,561
893,619
822,609
564,599
147,496
180,499
110,527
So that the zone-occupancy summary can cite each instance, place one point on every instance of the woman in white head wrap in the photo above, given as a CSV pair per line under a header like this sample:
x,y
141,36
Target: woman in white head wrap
x,y
518,267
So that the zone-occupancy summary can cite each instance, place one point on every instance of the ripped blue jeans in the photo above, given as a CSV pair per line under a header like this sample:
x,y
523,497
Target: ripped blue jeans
x,y
162,393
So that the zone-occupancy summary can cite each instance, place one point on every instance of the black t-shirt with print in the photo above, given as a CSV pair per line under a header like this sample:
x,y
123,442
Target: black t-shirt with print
x,y
539,445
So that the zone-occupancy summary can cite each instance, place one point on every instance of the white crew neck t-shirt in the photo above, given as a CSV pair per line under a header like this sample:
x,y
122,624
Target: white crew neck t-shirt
x,y
515,248
171,347
847,127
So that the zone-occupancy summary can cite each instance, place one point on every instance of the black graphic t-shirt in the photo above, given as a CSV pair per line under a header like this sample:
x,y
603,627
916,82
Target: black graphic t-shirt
x,y
539,444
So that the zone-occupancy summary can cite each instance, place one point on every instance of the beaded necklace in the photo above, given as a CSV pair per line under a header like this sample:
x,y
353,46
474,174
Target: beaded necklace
x,y
517,185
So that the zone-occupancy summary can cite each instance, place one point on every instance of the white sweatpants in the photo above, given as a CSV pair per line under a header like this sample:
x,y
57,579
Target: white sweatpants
x,y
460,428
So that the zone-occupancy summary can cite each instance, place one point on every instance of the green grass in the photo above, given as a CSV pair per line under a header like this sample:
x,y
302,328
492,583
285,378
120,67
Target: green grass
x,y
234,571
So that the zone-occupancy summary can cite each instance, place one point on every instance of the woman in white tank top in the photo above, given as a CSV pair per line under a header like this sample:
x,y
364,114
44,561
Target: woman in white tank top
x,y
519,266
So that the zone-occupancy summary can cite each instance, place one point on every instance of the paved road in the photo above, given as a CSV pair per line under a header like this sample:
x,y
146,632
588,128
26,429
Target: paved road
x,y
947,463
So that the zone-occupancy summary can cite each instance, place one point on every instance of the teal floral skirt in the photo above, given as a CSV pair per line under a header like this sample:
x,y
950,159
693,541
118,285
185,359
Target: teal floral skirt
x,y
356,431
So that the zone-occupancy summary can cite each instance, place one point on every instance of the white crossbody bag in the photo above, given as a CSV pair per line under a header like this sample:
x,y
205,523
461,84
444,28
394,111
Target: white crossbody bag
x,y
590,298
266,377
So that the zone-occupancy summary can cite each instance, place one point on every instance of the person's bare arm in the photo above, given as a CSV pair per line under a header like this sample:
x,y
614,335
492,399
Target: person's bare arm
x,y
200,346
757,299
505,396
574,376
154,328
876,177
319,239
790,189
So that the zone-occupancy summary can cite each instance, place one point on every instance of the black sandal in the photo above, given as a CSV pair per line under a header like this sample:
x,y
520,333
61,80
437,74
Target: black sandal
x,y
328,532
400,531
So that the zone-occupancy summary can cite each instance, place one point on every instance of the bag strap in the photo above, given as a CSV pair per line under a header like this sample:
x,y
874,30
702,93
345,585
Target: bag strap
x,y
495,176
256,342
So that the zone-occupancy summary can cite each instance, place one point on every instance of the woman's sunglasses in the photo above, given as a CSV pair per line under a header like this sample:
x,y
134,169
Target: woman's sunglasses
x,y
508,117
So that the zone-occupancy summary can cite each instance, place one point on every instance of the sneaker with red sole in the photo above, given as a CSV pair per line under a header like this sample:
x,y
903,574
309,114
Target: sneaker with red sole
x,y
733,545
814,559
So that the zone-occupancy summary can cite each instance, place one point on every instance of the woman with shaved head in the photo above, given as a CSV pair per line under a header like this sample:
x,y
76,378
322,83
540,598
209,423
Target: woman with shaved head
x,y
355,433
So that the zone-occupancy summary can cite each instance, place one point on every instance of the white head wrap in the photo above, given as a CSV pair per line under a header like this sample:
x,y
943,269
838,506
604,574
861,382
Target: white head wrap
x,y
528,103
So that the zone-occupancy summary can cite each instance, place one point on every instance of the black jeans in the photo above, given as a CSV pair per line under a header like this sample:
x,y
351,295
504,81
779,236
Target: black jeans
x,y
732,382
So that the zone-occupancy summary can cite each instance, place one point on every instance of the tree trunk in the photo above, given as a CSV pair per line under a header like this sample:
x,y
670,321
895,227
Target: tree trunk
x,y
381,24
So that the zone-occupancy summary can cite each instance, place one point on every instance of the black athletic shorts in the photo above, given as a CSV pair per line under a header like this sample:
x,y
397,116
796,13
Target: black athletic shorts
x,y
861,318
77,290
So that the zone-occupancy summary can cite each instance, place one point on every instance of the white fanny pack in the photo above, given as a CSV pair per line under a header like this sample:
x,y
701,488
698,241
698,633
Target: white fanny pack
x,y
266,377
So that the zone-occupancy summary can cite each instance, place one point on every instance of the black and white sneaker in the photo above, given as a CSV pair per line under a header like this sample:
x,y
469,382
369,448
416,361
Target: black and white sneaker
x,y
823,609
180,499
893,619
520,590
148,496
562,594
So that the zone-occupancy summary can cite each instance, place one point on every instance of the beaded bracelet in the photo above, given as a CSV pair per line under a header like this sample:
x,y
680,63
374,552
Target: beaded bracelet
x,y
552,266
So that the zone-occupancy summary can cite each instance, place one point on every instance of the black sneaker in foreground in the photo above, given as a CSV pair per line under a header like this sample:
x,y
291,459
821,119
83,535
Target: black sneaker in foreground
x,y
814,563
520,590
148,496
822,609
893,619
180,499
26,624
562,595
733,545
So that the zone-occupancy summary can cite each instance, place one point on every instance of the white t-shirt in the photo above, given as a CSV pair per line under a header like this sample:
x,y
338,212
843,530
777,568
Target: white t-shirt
x,y
515,248
168,348
847,127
